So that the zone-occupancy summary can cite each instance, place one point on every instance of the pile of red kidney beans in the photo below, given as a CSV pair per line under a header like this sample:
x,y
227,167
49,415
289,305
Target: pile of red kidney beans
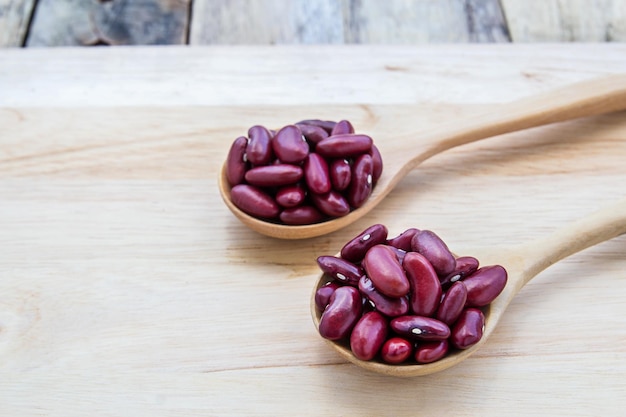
x,y
405,299
303,173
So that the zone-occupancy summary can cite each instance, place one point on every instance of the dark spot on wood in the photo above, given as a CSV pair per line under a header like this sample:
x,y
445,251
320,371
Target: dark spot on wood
x,y
396,68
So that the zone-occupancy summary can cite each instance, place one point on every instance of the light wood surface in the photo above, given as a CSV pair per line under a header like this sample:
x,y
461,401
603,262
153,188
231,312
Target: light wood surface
x,y
128,288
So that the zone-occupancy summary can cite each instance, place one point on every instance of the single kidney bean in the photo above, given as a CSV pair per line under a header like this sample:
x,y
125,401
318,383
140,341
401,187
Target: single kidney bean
x,y
468,329
290,195
389,306
396,350
361,184
428,352
323,294
435,250
340,174
274,175
403,240
465,266
253,201
342,127
383,268
316,174
368,335
259,150
236,161
358,246
327,125
452,303
343,146
425,293
342,313
332,203
289,145
484,285
340,269
312,133
377,159
300,215
420,328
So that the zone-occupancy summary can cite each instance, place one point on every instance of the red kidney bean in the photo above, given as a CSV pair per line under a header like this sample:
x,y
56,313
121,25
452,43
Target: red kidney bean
x,y
327,125
236,161
301,215
357,247
368,335
290,195
389,306
435,250
254,201
428,352
425,293
274,175
313,134
403,240
383,268
343,146
323,294
465,266
484,285
378,163
340,174
342,313
468,329
340,269
259,150
289,145
361,184
396,350
452,303
332,203
420,328
316,174
342,127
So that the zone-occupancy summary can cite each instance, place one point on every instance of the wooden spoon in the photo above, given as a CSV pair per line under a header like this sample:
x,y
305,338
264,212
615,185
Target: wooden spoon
x,y
522,263
402,154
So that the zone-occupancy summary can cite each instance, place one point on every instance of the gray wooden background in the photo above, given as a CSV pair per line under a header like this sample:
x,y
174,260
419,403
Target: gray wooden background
x,y
229,22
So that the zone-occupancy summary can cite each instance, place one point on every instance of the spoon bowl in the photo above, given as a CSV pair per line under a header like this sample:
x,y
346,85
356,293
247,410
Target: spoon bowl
x,y
402,154
522,262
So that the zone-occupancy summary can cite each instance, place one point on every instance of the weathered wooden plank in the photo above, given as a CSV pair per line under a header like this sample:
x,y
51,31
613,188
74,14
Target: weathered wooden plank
x,y
566,20
14,18
486,21
119,22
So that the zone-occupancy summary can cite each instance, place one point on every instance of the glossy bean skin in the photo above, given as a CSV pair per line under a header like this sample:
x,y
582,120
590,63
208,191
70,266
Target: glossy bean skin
x,y
452,303
340,173
342,127
316,174
425,291
420,328
403,240
396,350
327,125
435,250
312,133
340,269
290,195
389,306
259,150
301,215
236,161
465,266
342,313
468,329
323,294
356,248
253,201
361,184
429,352
368,335
274,175
382,267
289,145
378,163
332,203
343,146
484,285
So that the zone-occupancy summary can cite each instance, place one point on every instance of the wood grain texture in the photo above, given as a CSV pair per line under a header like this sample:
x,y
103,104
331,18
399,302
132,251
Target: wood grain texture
x,y
120,22
566,20
127,287
14,18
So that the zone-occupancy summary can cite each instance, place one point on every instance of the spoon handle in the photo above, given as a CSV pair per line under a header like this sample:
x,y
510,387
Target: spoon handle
x,y
586,98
